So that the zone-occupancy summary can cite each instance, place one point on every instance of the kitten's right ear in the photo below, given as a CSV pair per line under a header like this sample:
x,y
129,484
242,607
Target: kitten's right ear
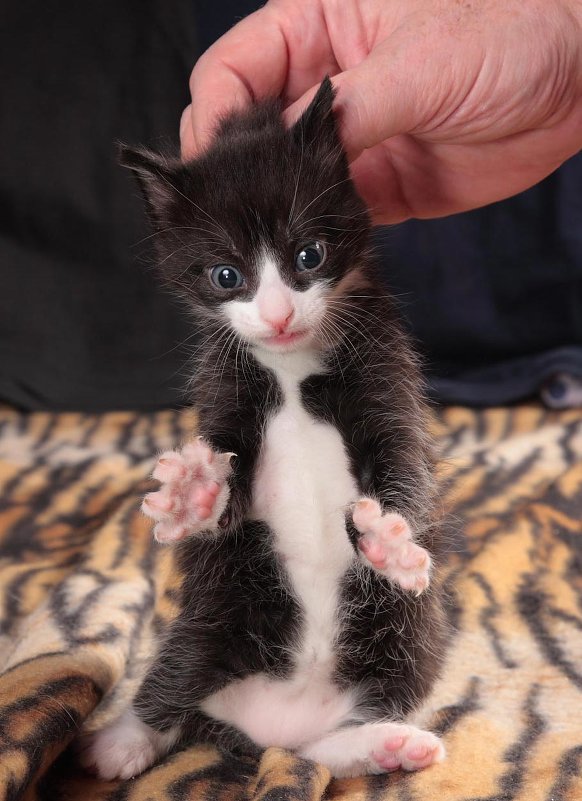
x,y
318,124
160,180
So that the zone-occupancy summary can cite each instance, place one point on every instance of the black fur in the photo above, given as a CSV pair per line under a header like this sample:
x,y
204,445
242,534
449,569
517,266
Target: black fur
x,y
237,618
262,183
237,197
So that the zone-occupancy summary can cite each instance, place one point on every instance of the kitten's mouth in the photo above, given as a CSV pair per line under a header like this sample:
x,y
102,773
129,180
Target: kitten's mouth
x,y
289,338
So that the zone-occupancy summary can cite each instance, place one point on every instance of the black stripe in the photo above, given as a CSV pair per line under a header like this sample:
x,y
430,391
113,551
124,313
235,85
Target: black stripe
x,y
531,602
486,618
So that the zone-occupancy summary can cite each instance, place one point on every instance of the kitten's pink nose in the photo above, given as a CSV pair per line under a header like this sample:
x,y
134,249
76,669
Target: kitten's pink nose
x,y
279,324
277,312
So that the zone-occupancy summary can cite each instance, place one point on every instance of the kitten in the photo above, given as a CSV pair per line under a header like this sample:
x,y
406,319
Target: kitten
x,y
304,511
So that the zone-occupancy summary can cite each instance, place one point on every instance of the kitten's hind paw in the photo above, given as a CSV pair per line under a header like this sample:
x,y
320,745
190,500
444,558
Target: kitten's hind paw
x,y
194,491
375,748
386,543
408,748
124,749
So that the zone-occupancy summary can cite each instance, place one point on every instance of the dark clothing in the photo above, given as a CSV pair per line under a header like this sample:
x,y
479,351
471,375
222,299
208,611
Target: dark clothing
x,y
493,297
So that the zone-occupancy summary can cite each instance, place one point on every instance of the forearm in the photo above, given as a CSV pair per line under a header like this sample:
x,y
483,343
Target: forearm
x,y
240,482
397,468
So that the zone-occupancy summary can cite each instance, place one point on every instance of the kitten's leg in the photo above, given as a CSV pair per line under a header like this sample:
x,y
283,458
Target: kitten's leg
x,y
194,491
386,543
375,748
125,748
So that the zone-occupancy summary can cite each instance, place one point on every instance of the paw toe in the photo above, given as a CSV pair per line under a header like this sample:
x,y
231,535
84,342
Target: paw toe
x,y
394,526
422,750
197,452
166,532
170,467
387,761
366,512
412,557
157,504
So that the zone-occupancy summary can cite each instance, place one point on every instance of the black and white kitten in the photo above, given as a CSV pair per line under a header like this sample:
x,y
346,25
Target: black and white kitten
x,y
304,510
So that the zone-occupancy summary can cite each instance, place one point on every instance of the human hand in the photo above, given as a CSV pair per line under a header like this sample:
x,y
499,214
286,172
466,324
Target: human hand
x,y
444,105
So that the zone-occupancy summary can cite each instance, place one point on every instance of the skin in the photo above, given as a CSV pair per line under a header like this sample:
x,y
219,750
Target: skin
x,y
444,105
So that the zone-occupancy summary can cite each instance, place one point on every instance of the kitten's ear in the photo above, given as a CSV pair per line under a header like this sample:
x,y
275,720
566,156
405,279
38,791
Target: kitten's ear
x,y
318,124
161,180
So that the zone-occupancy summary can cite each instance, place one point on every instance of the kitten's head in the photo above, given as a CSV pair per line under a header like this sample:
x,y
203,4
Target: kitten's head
x,y
264,232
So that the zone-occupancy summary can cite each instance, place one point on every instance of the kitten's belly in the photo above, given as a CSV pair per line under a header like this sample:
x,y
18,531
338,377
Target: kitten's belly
x,y
277,712
302,490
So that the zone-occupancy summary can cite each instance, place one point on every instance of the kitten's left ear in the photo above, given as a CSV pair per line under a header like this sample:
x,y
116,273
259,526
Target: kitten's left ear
x,y
318,124
161,180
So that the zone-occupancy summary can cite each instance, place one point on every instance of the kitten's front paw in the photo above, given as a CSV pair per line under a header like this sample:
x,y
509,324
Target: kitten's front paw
x,y
386,543
194,491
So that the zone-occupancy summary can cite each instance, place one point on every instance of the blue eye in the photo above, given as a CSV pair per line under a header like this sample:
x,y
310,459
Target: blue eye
x,y
310,256
225,276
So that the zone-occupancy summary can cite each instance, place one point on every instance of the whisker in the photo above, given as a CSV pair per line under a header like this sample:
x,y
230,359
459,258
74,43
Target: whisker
x,y
334,216
170,229
334,324
297,179
231,339
329,188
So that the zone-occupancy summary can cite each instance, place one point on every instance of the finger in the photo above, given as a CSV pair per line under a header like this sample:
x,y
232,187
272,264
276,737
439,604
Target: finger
x,y
371,105
249,61
378,182
187,143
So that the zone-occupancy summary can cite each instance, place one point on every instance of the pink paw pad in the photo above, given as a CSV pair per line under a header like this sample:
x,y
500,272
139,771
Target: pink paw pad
x,y
194,491
386,543
414,749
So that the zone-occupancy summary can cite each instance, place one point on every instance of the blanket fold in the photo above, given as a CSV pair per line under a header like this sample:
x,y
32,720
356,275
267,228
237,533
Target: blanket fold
x,y
84,590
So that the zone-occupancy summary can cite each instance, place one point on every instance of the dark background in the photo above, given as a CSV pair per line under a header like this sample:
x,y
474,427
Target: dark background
x,y
493,297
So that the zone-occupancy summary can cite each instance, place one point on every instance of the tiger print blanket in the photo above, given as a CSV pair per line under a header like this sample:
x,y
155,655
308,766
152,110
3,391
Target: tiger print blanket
x,y
83,591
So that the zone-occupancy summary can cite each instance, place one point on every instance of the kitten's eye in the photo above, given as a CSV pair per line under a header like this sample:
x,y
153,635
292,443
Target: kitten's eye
x,y
225,276
310,256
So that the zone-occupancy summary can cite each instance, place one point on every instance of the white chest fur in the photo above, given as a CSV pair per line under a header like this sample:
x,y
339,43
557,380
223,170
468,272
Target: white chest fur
x,y
303,486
